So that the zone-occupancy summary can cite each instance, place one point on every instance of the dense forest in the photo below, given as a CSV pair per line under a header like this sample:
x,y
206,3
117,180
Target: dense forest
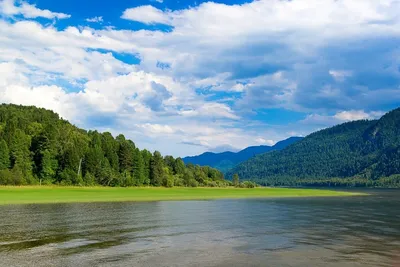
x,y
38,147
359,153
227,160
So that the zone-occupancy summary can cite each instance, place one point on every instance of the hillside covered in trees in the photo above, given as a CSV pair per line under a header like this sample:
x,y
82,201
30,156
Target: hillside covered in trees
x,y
226,160
359,153
36,146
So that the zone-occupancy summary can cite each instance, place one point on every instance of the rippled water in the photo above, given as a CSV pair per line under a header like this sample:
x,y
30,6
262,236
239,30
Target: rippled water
x,y
356,231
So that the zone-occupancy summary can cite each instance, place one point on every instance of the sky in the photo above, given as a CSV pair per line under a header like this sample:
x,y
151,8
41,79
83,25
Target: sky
x,y
185,77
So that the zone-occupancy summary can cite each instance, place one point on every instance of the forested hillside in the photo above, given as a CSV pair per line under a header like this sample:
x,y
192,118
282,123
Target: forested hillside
x,y
359,153
226,160
36,146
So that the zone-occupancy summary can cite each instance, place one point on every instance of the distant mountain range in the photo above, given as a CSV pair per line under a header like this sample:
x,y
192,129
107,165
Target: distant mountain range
x,y
358,153
227,160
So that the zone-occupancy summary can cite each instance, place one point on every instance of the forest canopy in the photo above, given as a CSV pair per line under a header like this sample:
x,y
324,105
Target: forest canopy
x,y
357,153
38,147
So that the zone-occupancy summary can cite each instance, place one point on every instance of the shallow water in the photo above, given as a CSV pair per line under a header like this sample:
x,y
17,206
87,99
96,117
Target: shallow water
x,y
347,231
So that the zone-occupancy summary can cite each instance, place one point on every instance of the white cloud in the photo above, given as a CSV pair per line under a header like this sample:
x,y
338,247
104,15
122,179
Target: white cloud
x,y
213,110
267,54
9,8
220,20
95,19
318,121
156,128
264,141
15,88
352,115
146,14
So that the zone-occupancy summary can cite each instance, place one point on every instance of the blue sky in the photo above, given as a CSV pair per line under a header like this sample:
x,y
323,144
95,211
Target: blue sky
x,y
185,77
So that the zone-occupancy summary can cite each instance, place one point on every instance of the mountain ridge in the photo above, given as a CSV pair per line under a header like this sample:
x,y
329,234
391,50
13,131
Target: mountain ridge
x,y
363,151
226,160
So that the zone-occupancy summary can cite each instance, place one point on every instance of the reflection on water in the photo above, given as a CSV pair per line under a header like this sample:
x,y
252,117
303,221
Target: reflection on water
x,y
357,231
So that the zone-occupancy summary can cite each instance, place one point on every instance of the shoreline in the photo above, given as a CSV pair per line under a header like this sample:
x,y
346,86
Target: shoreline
x,y
12,195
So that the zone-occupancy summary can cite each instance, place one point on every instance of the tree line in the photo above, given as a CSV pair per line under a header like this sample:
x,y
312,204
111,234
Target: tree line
x,y
38,147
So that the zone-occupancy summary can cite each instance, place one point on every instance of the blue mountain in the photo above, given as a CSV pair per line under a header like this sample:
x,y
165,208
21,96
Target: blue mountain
x,y
227,160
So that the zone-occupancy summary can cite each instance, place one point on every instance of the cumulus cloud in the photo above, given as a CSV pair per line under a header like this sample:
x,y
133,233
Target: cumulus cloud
x,y
146,14
155,100
13,7
95,19
206,78
261,38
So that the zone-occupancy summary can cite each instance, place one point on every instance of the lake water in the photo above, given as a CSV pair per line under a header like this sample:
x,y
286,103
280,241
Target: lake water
x,y
351,231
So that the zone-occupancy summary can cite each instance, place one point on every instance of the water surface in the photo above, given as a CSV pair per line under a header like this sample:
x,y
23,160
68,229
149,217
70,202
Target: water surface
x,y
344,231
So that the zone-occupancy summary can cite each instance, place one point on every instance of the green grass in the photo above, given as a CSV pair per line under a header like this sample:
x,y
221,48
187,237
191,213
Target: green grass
x,y
48,194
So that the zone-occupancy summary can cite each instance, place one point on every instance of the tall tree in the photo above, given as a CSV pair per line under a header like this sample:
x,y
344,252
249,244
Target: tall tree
x,y
235,179
110,147
48,166
156,169
21,155
146,155
179,166
4,155
125,154
169,162
138,168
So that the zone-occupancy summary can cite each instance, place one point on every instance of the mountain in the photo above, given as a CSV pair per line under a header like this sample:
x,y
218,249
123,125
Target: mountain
x,y
354,153
227,160
38,147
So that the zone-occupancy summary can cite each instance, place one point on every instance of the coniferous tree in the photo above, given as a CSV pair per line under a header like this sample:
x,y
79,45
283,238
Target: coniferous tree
x,y
44,148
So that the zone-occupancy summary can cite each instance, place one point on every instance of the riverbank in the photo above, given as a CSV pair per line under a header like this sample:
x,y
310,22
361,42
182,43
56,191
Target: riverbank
x,y
56,194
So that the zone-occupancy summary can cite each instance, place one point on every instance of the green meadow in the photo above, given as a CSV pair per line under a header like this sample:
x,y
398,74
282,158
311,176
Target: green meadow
x,y
54,194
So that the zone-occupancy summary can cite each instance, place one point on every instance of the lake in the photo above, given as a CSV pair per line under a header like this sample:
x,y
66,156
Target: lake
x,y
344,231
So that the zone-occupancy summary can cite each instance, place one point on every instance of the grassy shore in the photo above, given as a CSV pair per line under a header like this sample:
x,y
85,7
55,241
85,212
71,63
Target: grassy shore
x,y
48,194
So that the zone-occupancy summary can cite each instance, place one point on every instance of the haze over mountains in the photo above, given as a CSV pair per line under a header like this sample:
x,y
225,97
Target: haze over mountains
x,y
365,152
227,160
